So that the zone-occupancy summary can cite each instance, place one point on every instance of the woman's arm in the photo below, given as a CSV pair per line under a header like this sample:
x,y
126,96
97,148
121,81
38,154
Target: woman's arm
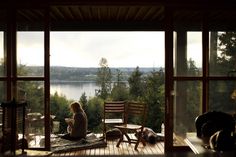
x,y
69,121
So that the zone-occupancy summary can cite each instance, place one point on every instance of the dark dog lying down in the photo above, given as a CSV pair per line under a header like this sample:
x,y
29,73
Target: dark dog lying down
x,y
150,136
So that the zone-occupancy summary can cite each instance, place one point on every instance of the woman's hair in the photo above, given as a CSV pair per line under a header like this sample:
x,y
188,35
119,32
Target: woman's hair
x,y
76,107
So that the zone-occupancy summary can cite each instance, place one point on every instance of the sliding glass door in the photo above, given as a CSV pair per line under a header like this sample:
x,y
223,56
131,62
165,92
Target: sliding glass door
x,y
202,75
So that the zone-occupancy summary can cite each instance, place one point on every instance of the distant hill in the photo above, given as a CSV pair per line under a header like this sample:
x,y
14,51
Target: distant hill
x,y
64,74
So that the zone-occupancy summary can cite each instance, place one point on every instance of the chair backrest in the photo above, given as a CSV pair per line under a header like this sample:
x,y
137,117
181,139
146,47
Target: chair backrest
x,y
136,113
13,123
114,109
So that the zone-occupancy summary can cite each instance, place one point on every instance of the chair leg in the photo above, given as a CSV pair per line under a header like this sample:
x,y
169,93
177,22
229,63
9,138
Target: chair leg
x,y
137,143
120,140
140,139
136,146
104,131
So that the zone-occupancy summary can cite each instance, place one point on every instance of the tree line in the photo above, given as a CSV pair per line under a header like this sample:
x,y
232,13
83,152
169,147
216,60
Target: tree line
x,y
60,73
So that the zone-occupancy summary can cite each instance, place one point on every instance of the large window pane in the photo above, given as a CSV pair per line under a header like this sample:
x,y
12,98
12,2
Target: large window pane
x,y
187,106
30,42
30,62
222,53
222,96
30,53
187,53
74,61
33,93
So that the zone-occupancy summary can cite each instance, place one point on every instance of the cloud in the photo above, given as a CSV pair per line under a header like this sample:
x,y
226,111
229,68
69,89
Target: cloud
x,y
121,49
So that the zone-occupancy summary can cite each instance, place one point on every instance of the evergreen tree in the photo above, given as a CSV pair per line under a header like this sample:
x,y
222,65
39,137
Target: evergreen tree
x,y
94,113
154,97
84,102
59,107
227,46
136,84
192,69
104,79
119,91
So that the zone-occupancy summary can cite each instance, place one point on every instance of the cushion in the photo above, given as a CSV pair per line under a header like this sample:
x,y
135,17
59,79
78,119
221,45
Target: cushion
x,y
113,134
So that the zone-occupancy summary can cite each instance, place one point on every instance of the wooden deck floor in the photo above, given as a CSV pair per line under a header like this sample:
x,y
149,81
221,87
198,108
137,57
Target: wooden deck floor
x,y
123,149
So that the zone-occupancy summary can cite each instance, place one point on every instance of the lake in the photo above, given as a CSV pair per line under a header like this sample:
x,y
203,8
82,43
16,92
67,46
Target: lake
x,y
74,90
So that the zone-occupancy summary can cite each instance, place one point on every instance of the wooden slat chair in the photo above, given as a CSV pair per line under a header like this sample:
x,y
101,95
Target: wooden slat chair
x,y
13,123
113,114
134,123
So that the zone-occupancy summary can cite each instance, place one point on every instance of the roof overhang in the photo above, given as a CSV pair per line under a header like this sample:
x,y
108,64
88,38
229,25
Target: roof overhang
x,y
123,14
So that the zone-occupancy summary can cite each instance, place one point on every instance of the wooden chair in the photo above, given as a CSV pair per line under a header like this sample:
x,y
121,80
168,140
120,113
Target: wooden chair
x,y
134,123
113,114
13,123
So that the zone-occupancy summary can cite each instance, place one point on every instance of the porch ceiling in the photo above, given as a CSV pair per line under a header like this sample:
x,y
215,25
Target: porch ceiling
x,y
107,13
149,14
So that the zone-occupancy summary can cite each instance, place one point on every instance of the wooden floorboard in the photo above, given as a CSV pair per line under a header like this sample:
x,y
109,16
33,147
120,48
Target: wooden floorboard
x,y
123,149
111,149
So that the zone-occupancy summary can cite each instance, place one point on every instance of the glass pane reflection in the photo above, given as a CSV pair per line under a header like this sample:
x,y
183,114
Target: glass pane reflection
x,y
222,53
222,96
33,93
187,106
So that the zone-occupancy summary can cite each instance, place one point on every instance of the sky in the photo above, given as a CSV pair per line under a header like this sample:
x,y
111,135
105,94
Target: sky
x,y
85,49
121,49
